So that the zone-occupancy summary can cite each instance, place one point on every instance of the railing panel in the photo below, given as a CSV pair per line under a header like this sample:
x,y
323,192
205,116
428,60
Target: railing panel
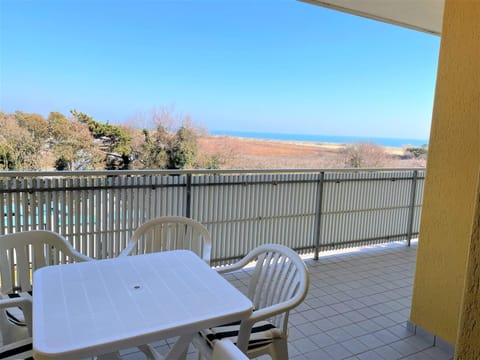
x,y
245,211
364,208
97,214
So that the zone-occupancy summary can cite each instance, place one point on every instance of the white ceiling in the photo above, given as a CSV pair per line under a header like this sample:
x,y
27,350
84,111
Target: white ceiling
x,y
422,15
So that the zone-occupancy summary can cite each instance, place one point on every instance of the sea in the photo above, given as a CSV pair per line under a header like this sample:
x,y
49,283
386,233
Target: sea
x,y
391,142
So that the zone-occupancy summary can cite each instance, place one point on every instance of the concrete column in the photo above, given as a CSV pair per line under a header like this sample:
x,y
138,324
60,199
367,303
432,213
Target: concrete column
x,y
468,339
451,191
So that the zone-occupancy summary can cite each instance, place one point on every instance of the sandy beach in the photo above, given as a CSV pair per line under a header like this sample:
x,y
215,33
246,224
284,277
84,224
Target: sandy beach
x,y
236,152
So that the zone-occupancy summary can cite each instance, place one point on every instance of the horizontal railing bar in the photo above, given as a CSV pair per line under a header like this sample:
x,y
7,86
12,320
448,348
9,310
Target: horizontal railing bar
x,y
111,173
90,188
162,186
369,179
277,182
406,206
366,240
274,217
33,187
259,182
303,248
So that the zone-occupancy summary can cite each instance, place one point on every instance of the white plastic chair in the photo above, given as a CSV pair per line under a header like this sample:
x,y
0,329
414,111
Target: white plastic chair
x,y
170,233
164,234
20,255
278,283
226,350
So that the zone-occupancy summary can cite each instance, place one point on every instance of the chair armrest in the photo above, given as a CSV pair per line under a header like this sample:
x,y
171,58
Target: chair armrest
x,y
59,242
269,312
235,266
263,314
12,302
128,249
80,257
22,302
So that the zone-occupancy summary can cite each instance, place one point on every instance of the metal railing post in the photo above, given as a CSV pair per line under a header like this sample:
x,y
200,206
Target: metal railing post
x,y
318,215
413,194
188,200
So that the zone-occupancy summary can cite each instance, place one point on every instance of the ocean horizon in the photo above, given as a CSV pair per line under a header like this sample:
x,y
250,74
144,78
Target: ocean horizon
x,y
391,142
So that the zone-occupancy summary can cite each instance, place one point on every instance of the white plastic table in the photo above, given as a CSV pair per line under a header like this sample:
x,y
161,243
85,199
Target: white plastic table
x,y
97,307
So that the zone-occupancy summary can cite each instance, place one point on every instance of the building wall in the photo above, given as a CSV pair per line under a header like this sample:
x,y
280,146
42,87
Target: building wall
x,y
468,339
452,173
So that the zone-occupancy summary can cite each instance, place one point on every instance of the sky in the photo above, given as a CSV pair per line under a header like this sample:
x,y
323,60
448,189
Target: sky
x,y
280,66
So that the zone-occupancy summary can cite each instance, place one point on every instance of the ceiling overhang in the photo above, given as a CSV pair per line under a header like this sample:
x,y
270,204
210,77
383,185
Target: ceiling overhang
x,y
421,15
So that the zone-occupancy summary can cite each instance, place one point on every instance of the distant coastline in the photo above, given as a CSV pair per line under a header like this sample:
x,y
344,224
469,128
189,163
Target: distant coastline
x,y
389,142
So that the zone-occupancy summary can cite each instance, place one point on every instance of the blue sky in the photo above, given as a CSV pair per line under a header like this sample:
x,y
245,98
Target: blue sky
x,y
247,65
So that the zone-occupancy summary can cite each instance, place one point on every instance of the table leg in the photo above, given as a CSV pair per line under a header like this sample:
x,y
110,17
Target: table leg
x,y
179,350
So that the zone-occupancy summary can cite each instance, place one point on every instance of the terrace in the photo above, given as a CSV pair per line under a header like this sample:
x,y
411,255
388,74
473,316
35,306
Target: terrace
x,y
359,298
445,296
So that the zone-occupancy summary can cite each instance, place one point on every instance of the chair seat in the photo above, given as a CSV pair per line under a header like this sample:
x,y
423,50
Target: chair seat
x,y
18,350
263,333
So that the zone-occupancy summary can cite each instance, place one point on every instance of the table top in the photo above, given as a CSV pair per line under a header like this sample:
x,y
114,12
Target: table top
x,y
96,307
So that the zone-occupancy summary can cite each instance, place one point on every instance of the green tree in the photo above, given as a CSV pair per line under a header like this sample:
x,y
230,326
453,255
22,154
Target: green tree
x,y
183,150
57,123
36,125
62,163
73,144
211,162
7,153
417,152
364,155
18,148
154,149
164,149
117,141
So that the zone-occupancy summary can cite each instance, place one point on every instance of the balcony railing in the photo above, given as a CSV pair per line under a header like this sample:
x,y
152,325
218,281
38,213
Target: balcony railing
x,y
308,210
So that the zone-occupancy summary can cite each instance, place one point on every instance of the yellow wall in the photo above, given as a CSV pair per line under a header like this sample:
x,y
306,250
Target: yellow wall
x,y
468,339
452,174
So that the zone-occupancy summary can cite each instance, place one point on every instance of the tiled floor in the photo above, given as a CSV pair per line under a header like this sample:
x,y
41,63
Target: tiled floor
x,y
356,308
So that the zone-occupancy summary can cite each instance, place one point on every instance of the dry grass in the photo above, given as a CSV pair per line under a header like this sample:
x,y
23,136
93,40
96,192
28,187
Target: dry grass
x,y
243,153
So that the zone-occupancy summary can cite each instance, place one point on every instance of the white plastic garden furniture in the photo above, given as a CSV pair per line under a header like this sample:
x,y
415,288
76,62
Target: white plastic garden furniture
x,y
21,348
170,233
226,350
20,255
114,304
278,283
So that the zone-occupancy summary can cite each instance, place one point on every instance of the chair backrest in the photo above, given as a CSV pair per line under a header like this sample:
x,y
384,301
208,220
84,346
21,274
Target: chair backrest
x,y
170,233
279,281
23,252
